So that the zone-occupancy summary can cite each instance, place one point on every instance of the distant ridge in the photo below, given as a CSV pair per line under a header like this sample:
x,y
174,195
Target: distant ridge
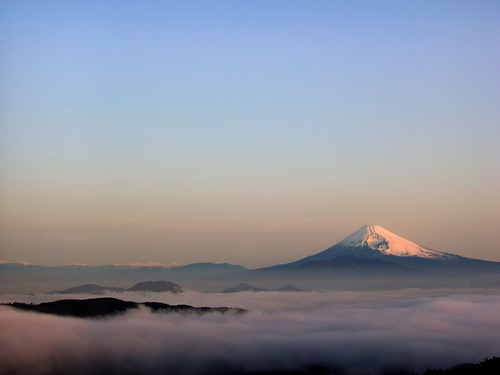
x,y
156,286
372,257
28,278
244,287
206,267
88,289
145,286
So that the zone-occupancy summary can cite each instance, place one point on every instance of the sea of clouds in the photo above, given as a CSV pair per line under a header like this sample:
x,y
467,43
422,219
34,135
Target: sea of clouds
x,y
347,332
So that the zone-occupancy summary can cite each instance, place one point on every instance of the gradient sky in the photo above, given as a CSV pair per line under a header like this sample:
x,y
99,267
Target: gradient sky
x,y
249,132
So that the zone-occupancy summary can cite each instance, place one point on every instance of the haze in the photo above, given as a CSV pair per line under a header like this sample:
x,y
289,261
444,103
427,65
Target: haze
x,y
356,333
253,133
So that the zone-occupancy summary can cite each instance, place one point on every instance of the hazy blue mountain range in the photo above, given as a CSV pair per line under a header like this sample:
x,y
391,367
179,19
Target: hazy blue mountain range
x,y
19,277
371,257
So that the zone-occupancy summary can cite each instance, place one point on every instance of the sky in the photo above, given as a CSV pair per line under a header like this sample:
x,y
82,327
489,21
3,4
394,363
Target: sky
x,y
247,132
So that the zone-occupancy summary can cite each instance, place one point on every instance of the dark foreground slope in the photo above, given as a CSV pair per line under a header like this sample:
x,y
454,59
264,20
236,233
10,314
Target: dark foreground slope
x,y
105,307
489,366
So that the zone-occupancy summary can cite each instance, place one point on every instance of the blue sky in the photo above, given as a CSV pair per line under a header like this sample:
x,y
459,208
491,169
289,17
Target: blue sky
x,y
246,131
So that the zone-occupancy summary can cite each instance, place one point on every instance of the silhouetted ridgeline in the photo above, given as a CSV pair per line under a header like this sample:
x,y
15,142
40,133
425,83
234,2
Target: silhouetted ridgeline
x,y
145,286
490,366
104,307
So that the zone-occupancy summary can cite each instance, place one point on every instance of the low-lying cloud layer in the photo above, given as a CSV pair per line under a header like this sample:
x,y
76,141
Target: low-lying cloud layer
x,y
356,332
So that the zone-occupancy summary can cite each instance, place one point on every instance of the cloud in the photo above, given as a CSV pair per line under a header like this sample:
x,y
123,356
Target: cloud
x,y
359,332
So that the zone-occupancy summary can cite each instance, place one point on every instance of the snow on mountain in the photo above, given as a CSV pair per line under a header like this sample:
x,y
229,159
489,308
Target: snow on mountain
x,y
373,241
380,239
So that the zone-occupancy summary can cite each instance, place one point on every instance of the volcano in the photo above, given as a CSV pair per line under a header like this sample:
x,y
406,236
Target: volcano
x,y
373,241
374,249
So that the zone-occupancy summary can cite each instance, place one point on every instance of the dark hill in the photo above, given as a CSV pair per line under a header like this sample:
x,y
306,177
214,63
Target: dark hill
x,y
489,366
105,307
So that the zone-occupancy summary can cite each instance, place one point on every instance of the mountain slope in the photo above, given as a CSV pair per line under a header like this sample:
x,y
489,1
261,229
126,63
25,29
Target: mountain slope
x,y
373,241
374,249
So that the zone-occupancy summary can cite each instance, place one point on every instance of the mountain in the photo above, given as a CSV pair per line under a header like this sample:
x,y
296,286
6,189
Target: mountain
x,y
208,267
372,241
156,286
288,288
104,307
145,286
28,278
372,246
88,289
244,287
370,258
182,273
375,258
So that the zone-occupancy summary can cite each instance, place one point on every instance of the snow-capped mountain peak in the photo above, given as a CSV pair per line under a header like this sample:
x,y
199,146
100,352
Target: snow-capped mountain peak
x,y
380,239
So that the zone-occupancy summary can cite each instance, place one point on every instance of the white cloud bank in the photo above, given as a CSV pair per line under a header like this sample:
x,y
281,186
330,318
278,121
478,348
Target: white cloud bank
x,y
361,333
